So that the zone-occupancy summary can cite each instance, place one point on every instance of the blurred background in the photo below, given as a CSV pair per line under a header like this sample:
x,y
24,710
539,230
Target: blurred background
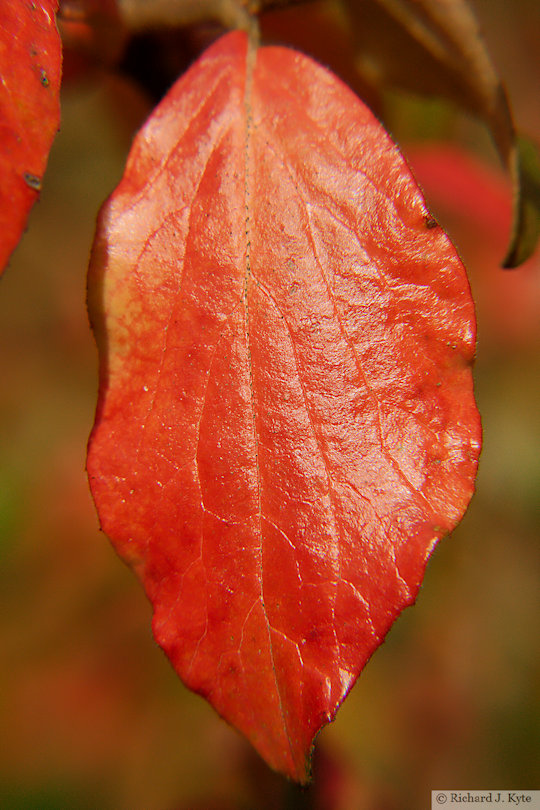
x,y
91,713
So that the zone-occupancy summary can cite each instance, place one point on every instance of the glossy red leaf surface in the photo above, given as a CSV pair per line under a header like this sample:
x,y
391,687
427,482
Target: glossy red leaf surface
x,y
30,70
286,422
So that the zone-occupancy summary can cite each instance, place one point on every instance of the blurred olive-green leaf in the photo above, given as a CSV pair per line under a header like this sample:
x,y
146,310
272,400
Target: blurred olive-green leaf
x,y
526,225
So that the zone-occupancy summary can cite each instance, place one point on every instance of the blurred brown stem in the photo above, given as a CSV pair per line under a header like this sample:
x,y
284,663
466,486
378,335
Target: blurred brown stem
x,y
142,14
255,6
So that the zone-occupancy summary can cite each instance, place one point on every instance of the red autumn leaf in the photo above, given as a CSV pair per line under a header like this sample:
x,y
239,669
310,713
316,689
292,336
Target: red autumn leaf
x,y
30,70
286,423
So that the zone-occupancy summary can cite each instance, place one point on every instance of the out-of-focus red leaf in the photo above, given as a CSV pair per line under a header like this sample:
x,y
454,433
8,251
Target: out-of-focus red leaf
x,y
30,70
286,423
92,34
475,200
